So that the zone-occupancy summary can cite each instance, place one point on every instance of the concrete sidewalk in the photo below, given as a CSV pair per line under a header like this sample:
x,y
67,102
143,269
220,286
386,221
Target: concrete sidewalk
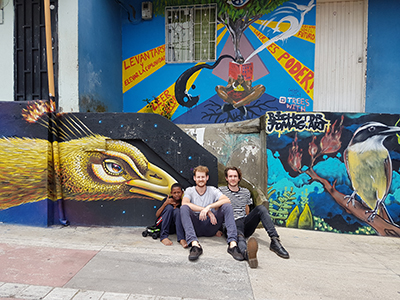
x,y
118,263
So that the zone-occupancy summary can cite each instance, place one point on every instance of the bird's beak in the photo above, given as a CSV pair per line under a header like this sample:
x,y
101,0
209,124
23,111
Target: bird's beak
x,y
391,130
155,183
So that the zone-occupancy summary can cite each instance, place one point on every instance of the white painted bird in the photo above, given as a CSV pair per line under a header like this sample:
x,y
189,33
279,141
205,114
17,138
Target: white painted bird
x,y
369,165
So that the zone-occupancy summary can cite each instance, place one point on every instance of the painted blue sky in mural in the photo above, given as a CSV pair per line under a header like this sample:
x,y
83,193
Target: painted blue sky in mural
x,y
268,71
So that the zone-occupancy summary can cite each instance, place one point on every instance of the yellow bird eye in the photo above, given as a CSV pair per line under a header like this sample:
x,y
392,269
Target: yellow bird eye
x,y
112,167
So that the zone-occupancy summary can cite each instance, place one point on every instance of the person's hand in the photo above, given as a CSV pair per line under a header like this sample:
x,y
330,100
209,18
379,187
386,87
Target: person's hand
x,y
203,213
212,217
170,200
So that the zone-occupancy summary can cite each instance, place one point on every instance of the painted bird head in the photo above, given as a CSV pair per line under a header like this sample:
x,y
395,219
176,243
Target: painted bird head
x,y
87,166
372,134
98,168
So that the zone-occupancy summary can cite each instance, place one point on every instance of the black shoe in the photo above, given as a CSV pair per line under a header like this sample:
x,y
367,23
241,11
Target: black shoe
x,y
277,247
234,251
195,252
252,248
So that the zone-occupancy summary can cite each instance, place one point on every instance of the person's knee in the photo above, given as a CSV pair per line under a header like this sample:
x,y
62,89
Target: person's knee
x,y
169,208
184,210
177,212
261,209
227,207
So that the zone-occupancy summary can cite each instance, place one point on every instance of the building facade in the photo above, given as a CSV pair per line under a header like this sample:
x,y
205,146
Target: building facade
x,y
300,75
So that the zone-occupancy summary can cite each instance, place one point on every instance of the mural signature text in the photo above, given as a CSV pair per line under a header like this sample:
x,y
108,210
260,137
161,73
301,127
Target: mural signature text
x,y
281,122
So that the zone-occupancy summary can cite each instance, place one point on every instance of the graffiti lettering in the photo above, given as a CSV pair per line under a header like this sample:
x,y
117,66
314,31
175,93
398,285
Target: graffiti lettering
x,y
295,107
148,67
297,70
306,35
131,63
303,75
298,104
142,57
307,32
296,121
262,37
139,59
144,69
164,104
273,48
138,67
157,51
131,78
169,106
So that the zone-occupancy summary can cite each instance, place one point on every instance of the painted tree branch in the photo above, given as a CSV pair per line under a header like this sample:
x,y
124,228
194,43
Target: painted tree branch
x,y
359,210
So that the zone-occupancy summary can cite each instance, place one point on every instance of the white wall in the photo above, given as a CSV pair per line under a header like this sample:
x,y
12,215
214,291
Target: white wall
x,y
68,55
68,80
7,53
340,56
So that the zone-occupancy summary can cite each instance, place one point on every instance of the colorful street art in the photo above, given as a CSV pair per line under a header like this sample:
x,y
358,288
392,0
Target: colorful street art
x,y
90,169
265,62
334,172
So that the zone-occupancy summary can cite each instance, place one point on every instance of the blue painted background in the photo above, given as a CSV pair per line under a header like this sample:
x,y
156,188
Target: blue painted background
x,y
100,55
383,64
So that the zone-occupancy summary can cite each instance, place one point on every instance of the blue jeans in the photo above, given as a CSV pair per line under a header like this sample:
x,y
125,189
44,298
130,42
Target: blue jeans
x,y
248,224
194,227
171,223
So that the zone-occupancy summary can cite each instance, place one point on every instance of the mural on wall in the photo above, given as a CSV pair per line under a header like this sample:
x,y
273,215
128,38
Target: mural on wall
x,y
334,172
25,171
90,169
100,177
265,61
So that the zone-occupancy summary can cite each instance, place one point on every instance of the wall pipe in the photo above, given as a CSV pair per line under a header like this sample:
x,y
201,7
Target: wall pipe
x,y
50,76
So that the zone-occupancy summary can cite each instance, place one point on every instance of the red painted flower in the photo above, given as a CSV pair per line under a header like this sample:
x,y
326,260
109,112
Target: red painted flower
x,y
331,143
295,156
312,147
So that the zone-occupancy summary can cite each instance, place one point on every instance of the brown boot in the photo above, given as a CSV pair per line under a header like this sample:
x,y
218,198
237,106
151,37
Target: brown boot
x,y
252,248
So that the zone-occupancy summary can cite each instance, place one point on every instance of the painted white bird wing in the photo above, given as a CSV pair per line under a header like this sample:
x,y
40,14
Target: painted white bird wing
x,y
346,163
389,174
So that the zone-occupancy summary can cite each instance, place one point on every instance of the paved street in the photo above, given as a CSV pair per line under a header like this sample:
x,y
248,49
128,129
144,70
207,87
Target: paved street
x,y
118,263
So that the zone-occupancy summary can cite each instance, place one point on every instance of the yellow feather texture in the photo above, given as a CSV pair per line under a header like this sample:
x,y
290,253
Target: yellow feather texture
x,y
25,171
89,168
368,175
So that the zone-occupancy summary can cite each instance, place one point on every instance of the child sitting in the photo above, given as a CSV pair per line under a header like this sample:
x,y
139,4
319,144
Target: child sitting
x,y
171,216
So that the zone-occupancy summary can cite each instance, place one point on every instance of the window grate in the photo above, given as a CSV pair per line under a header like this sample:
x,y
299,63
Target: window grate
x,y
190,33
30,67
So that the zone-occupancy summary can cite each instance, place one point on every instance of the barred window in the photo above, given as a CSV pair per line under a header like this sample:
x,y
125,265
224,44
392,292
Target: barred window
x,y
190,33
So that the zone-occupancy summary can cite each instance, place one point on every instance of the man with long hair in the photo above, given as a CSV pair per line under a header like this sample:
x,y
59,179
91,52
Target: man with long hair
x,y
247,221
